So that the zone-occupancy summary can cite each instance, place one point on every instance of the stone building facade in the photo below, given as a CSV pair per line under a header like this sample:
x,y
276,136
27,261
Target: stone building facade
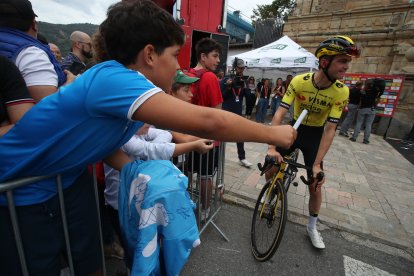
x,y
385,31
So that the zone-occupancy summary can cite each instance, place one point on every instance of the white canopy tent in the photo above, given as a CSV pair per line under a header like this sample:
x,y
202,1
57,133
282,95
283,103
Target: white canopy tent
x,y
277,59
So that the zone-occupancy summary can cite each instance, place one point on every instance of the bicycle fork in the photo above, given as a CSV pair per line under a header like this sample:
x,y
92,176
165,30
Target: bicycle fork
x,y
270,195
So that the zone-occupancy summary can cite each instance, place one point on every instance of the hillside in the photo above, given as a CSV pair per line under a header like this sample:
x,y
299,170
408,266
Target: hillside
x,y
59,34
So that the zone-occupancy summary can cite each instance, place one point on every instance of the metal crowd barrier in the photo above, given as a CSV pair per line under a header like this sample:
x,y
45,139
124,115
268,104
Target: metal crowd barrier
x,y
195,189
9,186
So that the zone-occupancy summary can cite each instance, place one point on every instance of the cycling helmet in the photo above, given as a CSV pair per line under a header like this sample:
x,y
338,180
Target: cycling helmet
x,y
337,45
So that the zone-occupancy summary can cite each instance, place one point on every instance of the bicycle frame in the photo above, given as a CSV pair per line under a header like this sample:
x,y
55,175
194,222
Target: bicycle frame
x,y
268,224
277,176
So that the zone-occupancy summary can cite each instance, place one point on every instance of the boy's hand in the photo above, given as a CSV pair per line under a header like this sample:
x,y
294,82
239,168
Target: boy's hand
x,y
283,135
203,145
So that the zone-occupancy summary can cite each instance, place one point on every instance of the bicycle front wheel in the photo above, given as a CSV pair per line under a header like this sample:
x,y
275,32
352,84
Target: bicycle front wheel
x,y
269,219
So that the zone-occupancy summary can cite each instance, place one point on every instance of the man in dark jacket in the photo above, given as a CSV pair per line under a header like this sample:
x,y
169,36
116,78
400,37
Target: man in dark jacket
x,y
354,99
234,89
366,112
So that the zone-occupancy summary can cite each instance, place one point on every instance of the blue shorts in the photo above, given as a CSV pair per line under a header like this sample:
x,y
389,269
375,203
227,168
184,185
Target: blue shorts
x,y
42,233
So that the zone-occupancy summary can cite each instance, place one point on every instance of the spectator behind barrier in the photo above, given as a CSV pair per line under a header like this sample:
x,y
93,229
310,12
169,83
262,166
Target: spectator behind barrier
x,y
148,143
263,94
80,52
277,95
15,99
234,89
353,105
366,112
250,97
56,52
206,92
37,64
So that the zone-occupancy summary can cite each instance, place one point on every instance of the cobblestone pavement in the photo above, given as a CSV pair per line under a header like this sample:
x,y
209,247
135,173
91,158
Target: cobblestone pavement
x,y
369,189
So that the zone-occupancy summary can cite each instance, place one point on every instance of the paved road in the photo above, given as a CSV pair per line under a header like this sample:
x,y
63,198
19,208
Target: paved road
x,y
405,147
345,254
369,192
369,188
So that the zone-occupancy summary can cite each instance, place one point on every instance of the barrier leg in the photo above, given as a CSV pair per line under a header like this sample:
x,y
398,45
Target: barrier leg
x,y
16,231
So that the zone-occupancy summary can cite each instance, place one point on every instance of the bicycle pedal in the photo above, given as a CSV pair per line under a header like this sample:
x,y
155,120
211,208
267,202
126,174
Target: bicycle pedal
x,y
295,184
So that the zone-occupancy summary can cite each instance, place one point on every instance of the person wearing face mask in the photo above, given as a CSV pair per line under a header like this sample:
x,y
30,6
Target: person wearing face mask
x,y
81,51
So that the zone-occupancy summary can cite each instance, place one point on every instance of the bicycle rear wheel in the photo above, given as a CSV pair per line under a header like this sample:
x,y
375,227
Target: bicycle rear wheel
x,y
269,219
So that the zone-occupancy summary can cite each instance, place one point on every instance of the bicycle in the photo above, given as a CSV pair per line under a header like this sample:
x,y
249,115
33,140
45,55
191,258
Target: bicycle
x,y
271,206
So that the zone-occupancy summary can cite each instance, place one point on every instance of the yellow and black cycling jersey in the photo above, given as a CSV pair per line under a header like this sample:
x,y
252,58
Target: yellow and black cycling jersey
x,y
323,104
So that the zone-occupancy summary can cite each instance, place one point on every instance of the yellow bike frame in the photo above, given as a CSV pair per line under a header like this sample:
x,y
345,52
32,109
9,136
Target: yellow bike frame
x,y
276,176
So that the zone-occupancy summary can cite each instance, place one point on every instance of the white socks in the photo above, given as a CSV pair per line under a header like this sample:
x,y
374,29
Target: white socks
x,y
312,222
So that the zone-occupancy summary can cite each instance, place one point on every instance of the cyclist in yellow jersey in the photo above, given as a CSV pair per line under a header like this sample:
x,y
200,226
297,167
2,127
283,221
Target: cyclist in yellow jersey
x,y
323,104
324,97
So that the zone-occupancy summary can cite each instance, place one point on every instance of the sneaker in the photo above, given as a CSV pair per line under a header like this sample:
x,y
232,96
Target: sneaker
x,y
352,139
365,141
114,250
343,134
315,238
245,163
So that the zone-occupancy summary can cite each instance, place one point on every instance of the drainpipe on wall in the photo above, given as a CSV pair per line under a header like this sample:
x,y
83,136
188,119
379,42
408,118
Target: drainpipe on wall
x,y
224,17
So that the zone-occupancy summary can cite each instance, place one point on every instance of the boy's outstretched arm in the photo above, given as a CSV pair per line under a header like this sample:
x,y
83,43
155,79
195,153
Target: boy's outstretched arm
x,y
168,112
276,121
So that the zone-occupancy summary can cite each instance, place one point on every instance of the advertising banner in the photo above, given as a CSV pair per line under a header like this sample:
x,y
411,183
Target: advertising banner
x,y
389,99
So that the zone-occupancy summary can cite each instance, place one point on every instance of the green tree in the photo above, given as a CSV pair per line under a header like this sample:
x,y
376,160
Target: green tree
x,y
278,8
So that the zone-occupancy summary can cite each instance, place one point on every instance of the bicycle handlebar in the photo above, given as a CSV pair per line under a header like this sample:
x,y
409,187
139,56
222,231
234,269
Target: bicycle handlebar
x,y
271,161
319,177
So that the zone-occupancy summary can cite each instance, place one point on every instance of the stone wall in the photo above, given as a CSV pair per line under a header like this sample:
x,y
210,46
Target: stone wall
x,y
385,31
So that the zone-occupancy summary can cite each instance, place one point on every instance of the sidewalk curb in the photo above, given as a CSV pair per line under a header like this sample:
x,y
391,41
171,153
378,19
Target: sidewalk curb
x,y
302,219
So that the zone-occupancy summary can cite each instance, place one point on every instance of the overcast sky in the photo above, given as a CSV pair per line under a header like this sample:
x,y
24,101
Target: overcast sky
x,y
94,11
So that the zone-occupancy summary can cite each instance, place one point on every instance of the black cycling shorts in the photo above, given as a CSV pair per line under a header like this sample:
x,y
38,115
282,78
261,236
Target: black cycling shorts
x,y
308,140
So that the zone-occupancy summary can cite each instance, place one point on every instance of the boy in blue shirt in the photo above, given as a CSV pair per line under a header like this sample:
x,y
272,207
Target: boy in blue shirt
x,y
90,120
